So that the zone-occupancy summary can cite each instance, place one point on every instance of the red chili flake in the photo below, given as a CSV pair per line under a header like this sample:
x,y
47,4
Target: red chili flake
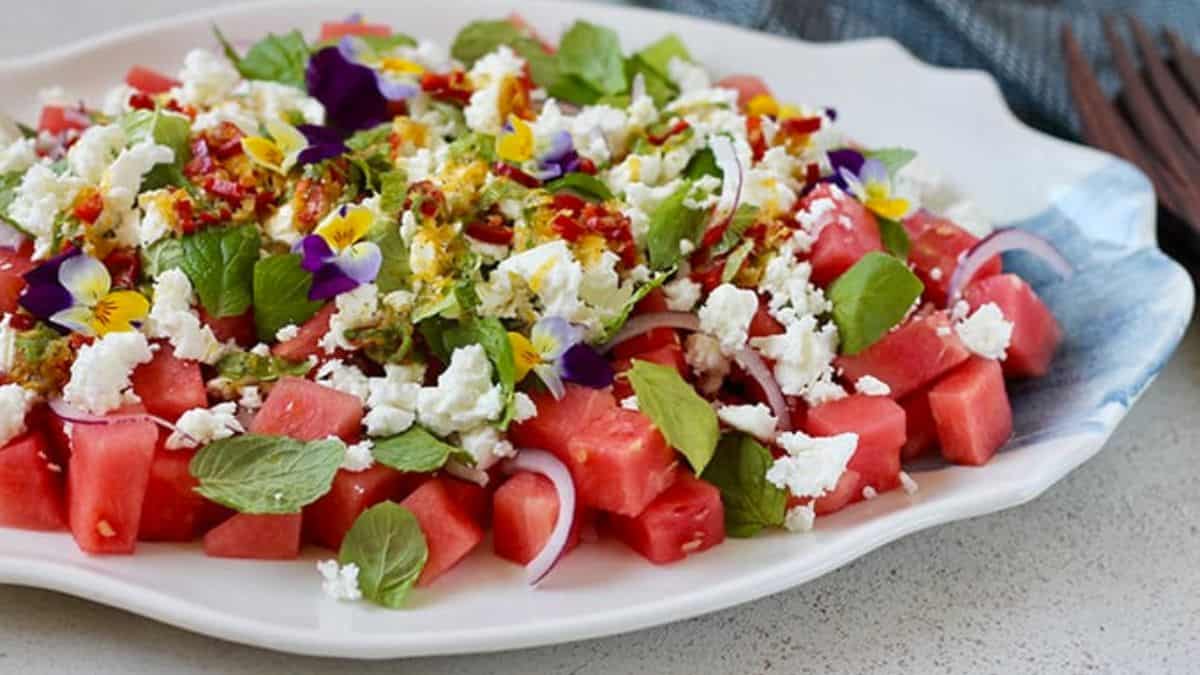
x,y
22,322
800,125
452,87
567,227
679,127
263,201
755,137
176,106
713,235
516,175
565,201
141,101
812,173
429,199
709,275
225,141
224,189
587,166
201,163
89,207
185,216
757,232
492,231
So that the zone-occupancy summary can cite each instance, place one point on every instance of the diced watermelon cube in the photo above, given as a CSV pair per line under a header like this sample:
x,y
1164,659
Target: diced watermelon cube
x,y
329,518
14,263
308,342
620,462
169,386
935,255
972,412
31,485
308,411
257,537
879,423
239,328
747,87
172,508
558,420
332,31
106,483
525,510
851,233
916,224
922,432
687,518
847,491
655,301
763,324
909,357
57,119
1035,334
476,500
450,532
149,81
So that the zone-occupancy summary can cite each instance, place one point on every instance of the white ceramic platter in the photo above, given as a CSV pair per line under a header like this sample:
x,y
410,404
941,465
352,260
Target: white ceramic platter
x,y
1098,210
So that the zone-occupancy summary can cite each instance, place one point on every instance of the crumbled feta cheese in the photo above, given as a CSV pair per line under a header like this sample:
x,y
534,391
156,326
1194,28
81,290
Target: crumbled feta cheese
x,y
156,217
207,79
482,113
600,132
18,155
281,225
552,273
682,294
756,420
201,426
392,401
727,314
116,100
15,404
812,466
908,483
824,391
339,582
935,274
231,112
172,318
688,76
803,353
524,408
273,101
817,215
771,185
356,309
287,333
100,374
358,457
869,493
464,397
261,350
800,518
250,398
8,344
869,385
786,283
400,302
344,377
95,151
703,354
486,445
630,403
986,332
41,196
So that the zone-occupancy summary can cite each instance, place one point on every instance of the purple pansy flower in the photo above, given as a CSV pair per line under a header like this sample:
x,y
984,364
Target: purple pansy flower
x,y
354,51
555,350
335,255
323,143
349,91
560,159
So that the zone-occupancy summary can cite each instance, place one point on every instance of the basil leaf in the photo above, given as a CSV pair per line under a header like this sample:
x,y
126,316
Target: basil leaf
x,y
703,163
247,368
266,474
393,190
895,237
582,184
543,67
162,255
684,418
394,273
657,57
739,470
415,450
613,325
870,298
9,183
592,54
368,138
220,263
383,43
281,287
733,264
892,158
671,223
389,548
275,58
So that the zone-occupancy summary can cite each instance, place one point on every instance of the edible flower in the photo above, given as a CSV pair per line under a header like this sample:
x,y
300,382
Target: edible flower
x,y
335,255
323,143
279,151
348,90
560,159
869,181
515,142
765,104
555,350
74,292
395,78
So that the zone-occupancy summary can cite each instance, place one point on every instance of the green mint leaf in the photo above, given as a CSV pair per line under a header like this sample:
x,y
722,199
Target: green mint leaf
x,y
684,418
281,288
743,218
394,273
895,238
379,44
162,255
9,183
592,54
543,67
416,451
163,128
474,145
733,264
389,548
369,138
892,158
479,38
657,57
275,58
220,263
393,190
266,474
582,184
870,298
671,223
573,89
247,368
739,470
703,163
613,325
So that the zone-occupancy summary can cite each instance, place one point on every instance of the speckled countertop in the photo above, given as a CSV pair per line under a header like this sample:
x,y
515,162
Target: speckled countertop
x,y
1098,575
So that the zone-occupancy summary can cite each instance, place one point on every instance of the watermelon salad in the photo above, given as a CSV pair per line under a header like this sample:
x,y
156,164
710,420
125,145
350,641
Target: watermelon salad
x,y
366,293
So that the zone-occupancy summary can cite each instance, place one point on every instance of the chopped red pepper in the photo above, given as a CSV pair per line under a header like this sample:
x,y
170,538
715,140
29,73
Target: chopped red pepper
x,y
141,101
185,216
89,206
755,136
492,231
227,190
565,201
124,267
800,125
678,127
587,166
516,175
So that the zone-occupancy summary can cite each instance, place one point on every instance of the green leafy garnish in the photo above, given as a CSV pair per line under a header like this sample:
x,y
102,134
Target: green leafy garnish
x,y
220,263
892,158
581,184
733,264
394,272
275,58
684,418
369,138
653,62
389,548
671,223
895,237
266,474
870,298
703,163
416,451
739,470
9,182
393,190
379,44
614,324
247,368
163,128
282,286
591,55
162,255
480,38
743,218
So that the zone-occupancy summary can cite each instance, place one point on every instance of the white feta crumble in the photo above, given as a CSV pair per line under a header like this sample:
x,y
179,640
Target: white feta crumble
x,y
812,466
869,493
201,426
100,374
281,225
464,397
786,283
482,113
524,408
630,403
600,132
97,148
8,344
908,483
703,354
869,385
803,354
261,350
41,196
250,398
206,79
986,332
344,377
552,273
392,400
171,317
687,75
287,333
18,155
339,582
727,314
800,518
756,420
15,404
486,445
358,457
356,309
273,101
156,217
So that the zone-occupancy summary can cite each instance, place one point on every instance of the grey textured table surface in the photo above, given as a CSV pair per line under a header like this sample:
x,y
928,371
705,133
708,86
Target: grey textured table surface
x,y
1098,575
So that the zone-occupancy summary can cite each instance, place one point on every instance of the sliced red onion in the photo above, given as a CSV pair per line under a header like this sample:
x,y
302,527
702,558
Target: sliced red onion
x,y
644,323
546,464
1000,241
69,413
468,473
734,178
755,367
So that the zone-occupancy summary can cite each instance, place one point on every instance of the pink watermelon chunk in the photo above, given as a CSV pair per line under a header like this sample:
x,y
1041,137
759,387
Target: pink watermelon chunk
x,y
258,537
847,491
620,462
31,485
172,508
909,357
922,431
851,233
687,518
476,500
525,510
1036,333
329,518
558,420
106,483
14,263
308,411
879,423
935,254
450,532
308,342
169,386
972,412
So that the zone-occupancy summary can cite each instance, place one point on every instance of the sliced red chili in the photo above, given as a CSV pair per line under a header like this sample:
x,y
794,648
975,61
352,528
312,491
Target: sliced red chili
x,y
567,227
90,206
227,190
492,231
800,125
587,166
185,216
124,267
565,201
678,127
516,175
755,136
